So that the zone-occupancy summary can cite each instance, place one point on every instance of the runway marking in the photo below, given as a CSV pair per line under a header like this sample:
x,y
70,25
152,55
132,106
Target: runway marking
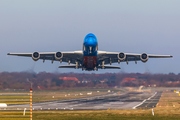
x,y
144,101
152,100
152,96
139,104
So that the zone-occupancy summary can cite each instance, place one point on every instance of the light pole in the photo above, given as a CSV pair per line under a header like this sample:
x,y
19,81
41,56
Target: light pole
x,y
29,82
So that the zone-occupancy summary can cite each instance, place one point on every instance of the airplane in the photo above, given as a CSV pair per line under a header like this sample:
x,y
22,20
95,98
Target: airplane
x,y
90,58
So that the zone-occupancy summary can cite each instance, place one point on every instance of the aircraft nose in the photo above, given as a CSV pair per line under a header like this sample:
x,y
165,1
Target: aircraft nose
x,y
90,41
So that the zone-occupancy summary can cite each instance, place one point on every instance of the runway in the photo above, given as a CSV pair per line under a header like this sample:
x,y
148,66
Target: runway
x,y
151,102
132,100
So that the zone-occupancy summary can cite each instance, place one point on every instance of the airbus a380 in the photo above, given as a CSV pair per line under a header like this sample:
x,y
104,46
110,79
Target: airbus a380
x,y
90,58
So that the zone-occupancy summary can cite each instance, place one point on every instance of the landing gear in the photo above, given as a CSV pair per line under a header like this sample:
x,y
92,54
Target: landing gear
x,y
103,64
77,65
83,68
96,68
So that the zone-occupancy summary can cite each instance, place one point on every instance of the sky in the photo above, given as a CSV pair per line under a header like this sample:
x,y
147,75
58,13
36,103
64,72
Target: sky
x,y
129,26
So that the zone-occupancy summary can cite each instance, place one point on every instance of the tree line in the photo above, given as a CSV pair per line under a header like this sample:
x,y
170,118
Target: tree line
x,y
43,80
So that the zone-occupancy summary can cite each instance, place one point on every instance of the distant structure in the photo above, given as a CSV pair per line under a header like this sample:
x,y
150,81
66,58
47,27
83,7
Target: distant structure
x,y
41,87
84,81
69,78
128,79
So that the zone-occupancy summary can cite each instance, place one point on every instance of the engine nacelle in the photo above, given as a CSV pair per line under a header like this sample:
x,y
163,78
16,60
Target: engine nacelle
x,y
58,56
121,56
144,57
35,56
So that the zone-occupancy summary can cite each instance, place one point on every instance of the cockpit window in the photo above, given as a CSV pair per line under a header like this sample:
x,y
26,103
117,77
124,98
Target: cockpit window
x,y
90,38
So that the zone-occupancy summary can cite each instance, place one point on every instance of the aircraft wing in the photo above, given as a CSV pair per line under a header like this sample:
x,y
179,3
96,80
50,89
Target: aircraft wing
x,y
114,57
71,57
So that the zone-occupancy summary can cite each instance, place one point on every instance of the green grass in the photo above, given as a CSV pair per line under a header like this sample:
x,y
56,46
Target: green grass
x,y
110,117
91,116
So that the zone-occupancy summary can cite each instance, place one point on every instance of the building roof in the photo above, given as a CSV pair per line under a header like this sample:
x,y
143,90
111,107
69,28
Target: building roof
x,y
128,79
69,78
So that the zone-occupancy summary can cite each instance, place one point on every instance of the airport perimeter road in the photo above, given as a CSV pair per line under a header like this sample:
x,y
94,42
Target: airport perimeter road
x,y
151,102
102,102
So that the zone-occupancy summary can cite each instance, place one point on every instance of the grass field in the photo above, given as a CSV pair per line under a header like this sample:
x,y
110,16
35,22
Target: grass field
x,y
95,115
169,100
168,108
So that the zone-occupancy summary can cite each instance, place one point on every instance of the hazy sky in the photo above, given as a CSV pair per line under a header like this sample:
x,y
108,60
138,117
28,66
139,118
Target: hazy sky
x,y
133,26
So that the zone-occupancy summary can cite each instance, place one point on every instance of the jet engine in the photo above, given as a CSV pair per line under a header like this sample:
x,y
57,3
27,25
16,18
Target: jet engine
x,y
35,56
58,56
121,56
144,57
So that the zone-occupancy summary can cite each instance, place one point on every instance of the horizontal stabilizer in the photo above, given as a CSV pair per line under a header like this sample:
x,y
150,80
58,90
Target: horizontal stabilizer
x,y
105,66
109,67
69,66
